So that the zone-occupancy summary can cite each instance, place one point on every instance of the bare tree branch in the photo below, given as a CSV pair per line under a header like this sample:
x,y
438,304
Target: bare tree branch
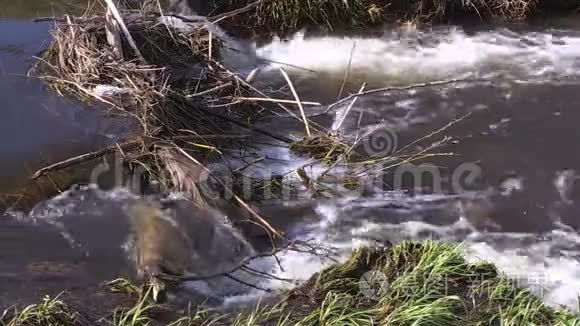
x,y
297,246
232,13
126,146
402,88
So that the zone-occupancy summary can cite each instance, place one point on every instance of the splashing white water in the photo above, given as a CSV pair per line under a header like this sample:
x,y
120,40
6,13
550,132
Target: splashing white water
x,y
403,57
546,264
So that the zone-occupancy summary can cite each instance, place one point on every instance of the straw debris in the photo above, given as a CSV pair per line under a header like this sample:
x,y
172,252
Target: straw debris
x,y
327,148
176,89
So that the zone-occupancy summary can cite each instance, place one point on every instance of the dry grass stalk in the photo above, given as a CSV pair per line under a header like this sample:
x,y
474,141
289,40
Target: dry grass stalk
x,y
114,34
300,106
327,148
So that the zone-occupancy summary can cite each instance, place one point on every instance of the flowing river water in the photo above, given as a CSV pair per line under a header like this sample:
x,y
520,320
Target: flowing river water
x,y
510,192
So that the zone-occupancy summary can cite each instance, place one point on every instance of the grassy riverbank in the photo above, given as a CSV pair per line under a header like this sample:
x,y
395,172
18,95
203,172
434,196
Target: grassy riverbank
x,y
411,283
286,16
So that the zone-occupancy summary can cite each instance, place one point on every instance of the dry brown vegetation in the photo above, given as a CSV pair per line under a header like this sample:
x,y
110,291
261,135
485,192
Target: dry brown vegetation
x,y
286,16
188,106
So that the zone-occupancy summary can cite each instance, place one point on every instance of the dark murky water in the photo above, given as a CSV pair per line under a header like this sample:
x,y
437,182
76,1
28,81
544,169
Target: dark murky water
x,y
38,128
518,141
520,137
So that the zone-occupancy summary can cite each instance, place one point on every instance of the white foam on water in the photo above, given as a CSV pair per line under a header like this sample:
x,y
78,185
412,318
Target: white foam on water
x,y
556,280
547,264
69,201
564,183
431,55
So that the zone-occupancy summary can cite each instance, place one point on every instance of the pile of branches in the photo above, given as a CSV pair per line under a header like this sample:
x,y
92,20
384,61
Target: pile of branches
x,y
168,79
138,81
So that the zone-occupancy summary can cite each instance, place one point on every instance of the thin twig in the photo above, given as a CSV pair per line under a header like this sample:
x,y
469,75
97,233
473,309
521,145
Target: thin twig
x,y
247,126
86,157
433,133
242,168
347,111
403,88
347,71
304,119
274,100
232,13
190,278
211,90
247,284
256,272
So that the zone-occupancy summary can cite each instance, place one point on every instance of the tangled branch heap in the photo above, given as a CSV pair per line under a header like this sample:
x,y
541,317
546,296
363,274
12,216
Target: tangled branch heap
x,y
183,99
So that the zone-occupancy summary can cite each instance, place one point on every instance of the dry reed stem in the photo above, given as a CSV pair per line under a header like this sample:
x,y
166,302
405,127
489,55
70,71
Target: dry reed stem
x,y
347,111
113,8
295,94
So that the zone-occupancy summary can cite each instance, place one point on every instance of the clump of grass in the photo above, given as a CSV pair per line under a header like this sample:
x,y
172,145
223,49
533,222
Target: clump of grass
x,y
122,285
80,60
338,309
262,315
423,284
51,311
427,283
290,15
426,311
327,148
134,316
508,10
138,315
512,10
195,318
510,306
